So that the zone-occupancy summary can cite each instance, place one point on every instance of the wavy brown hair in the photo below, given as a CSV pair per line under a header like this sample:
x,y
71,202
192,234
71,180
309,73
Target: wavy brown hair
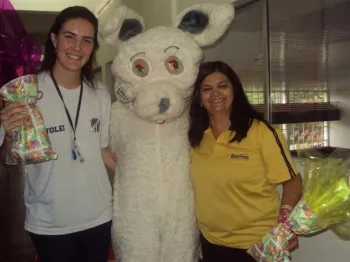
x,y
242,113
73,12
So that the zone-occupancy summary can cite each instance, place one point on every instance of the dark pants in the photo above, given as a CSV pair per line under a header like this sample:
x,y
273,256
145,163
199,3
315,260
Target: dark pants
x,y
215,253
91,245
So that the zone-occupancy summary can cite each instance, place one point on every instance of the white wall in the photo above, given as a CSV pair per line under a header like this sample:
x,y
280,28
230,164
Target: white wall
x,y
339,82
182,4
163,12
324,247
339,132
135,5
154,12
106,53
243,42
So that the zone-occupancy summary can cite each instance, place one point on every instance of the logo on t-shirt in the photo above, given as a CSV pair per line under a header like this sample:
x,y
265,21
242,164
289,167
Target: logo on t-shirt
x,y
95,125
55,129
240,156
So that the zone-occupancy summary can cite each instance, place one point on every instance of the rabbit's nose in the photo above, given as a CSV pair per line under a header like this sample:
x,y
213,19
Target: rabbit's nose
x,y
164,105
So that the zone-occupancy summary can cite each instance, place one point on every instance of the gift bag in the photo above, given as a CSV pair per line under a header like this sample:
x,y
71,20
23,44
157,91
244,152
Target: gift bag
x,y
325,202
31,143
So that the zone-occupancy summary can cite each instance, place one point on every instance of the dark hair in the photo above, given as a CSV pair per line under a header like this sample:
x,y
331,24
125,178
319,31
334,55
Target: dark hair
x,y
242,113
73,12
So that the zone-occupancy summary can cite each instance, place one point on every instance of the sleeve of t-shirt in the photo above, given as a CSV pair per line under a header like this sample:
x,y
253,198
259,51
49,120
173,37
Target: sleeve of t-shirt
x,y
276,155
105,117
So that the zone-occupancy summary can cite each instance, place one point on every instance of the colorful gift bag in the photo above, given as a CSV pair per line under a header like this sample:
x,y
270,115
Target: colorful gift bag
x,y
31,141
325,202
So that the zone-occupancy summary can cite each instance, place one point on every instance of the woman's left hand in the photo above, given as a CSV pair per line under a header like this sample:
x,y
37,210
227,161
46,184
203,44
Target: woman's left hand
x,y
283,217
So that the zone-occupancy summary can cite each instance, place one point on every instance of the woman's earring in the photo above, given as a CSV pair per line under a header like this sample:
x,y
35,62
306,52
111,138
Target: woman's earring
x,y
201,104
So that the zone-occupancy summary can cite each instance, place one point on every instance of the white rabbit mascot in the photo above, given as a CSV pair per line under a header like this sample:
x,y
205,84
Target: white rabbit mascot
x,y
153,218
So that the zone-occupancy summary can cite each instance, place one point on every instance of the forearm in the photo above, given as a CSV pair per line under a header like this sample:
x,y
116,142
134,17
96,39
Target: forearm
x,y
292,190
109,159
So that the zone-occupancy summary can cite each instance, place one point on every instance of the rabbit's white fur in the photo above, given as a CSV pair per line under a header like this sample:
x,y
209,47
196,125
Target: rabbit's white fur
x,y
153,219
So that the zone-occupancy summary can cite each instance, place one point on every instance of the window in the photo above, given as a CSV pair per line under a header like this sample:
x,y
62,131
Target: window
x,y
298,135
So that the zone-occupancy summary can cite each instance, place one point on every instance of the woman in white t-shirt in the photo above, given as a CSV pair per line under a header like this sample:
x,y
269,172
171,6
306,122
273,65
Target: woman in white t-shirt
x,y
69,200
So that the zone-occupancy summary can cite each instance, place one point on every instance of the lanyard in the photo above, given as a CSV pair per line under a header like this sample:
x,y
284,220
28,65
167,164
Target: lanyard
x,y
75,150
74,128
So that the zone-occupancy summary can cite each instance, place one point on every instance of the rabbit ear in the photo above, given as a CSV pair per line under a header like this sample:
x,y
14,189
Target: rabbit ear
x,y
206,22
124,25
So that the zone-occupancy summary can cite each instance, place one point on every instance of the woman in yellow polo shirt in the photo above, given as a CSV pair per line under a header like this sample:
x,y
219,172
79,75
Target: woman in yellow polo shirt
x,y
237,160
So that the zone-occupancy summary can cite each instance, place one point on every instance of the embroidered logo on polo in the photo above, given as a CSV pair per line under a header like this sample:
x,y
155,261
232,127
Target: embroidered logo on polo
x,y
95,125
240,156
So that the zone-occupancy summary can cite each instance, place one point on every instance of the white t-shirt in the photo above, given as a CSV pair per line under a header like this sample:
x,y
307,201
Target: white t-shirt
x,y
64,195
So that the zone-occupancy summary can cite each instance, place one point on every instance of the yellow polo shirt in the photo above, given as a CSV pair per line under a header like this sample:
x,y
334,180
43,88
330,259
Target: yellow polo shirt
x,y
236,199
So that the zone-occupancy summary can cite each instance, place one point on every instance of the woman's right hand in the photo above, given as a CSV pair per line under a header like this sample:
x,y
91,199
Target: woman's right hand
x,y
14,115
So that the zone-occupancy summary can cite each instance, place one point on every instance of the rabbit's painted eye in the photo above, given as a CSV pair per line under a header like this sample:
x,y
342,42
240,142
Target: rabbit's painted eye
x,y
174,65
140,68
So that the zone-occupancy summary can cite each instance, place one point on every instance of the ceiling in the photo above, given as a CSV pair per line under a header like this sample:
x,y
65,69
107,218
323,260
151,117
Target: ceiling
x,y
52,5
